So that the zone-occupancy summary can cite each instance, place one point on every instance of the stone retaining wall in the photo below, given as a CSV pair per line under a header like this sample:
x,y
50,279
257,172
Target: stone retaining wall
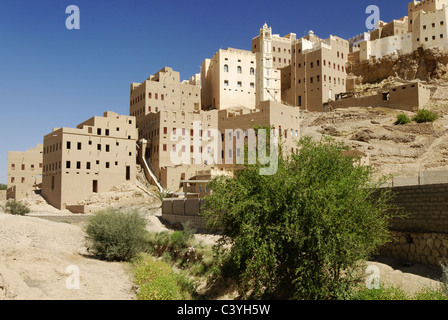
x,y
175,211
426,248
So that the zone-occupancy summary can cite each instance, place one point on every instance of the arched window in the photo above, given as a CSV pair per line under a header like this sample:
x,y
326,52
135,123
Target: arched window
x,y
239,70
226,68
252,71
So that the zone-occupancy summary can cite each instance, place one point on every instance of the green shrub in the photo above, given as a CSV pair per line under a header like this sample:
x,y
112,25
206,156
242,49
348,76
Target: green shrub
x,y
178,239
163,239
166,256
430,294
383,293
162,288
114,235
3,187
424,115
402,119
16,208
198,269
157,281
148,269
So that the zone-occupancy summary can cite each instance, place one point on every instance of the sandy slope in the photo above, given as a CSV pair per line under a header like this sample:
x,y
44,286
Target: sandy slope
x,y
35,255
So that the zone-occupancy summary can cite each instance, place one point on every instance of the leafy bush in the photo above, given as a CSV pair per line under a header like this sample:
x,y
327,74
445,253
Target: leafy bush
x,y
114,235
424,115
402,119
178,239
163,239
16,208
3,187
301,232
181,239
157,281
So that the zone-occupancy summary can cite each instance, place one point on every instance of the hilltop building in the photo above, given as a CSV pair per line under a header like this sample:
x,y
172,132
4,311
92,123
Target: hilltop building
x,y
281,46
426,26
24,172
317,73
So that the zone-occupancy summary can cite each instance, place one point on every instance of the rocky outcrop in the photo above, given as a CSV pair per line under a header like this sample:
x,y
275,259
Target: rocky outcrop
x,y
422,64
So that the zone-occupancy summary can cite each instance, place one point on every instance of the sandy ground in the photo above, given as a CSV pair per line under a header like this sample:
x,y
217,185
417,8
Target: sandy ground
x,y
38,258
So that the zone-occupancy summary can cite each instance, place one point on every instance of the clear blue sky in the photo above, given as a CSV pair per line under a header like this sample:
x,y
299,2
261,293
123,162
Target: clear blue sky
x,y
54,77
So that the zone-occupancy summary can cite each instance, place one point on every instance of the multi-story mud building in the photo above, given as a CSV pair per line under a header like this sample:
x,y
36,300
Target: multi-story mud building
x,y
91,158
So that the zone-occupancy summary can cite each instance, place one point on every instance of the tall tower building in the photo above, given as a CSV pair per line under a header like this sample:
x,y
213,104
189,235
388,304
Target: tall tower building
x,y
267,78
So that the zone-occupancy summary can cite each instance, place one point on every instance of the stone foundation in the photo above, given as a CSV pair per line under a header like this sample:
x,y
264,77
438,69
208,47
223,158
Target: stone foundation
x,y
418,247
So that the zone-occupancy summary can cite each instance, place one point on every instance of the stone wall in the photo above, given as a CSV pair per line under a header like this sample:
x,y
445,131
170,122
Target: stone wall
x,y
175,211
2,195
420,247
423,235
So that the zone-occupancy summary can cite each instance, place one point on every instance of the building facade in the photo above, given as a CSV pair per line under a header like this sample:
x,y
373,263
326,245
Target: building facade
x,y
281,47
24,172
164,91
268,82
390,29
228,80
91,158
426,26
317,72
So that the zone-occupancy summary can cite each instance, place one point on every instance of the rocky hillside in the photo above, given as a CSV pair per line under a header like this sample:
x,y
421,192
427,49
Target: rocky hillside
x,y
426,65
401,150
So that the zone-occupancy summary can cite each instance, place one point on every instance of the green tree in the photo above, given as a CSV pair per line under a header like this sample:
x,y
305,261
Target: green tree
x,y
302,232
